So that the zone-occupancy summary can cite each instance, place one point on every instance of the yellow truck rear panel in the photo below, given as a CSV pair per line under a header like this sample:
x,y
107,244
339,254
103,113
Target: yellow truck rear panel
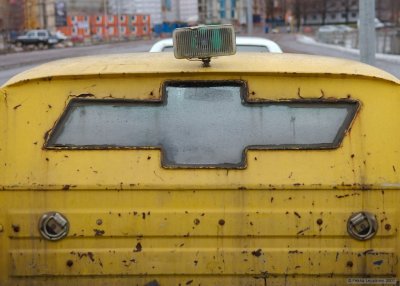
x,y
279,220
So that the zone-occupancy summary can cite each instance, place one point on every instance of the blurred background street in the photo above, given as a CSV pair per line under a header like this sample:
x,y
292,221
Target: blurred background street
x,y
33,32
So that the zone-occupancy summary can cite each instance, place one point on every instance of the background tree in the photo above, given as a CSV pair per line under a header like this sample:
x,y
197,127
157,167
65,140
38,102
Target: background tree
x,y
324,5
269,4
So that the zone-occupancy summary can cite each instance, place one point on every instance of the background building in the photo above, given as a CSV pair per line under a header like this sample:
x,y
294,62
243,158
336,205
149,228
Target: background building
x,y
180,11
4,14
79,7
20,15
148,7
321,12
105,27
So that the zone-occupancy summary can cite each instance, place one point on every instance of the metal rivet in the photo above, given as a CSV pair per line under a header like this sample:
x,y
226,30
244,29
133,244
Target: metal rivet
x,y
99,221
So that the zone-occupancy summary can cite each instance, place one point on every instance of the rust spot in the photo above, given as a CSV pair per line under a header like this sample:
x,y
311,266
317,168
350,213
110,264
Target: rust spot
x,y
66,187
298,92
272,199
148,157
242,188
85,95
253,93
16,227
98,232
301,232
70,263
221,222
368,251
320,221
196,221
297,214
257,253
255,158
83,254
388,227
189,282
143,215
365,187
394,168
91,256
349,264
49,106
138,247
295,252
342,196
17,106
195,262
352,156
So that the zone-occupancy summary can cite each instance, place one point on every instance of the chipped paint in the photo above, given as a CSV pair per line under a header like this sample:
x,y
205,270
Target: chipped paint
x,y
281,220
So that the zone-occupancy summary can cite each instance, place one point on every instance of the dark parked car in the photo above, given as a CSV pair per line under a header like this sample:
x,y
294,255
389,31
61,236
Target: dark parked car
x,y
39,38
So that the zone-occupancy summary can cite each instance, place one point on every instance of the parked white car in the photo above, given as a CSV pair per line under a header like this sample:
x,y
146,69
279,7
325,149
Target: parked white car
x,y
378,24
243,44
327,29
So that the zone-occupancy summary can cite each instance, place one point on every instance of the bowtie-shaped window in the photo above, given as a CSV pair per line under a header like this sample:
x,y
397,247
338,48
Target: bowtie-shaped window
x,y
203,124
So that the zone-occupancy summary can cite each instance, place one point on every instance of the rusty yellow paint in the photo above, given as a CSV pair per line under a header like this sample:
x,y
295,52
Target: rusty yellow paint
x,y
280,220
165,63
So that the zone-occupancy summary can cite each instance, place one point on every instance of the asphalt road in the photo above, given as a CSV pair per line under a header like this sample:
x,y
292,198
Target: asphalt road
x,y
14,63
289,44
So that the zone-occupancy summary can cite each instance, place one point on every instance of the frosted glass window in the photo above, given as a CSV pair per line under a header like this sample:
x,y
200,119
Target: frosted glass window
x,y
239,48
197,125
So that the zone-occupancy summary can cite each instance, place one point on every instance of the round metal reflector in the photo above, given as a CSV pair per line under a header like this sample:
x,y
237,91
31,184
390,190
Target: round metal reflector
x,y
362,225
53,226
